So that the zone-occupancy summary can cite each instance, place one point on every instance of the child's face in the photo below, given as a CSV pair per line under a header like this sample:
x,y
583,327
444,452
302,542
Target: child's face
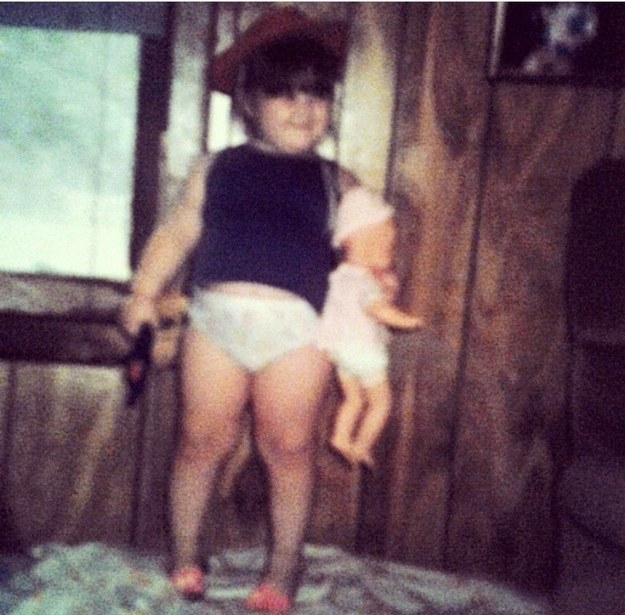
x,y
293,124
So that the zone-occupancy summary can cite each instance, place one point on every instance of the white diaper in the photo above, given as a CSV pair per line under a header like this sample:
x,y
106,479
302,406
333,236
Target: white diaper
x,y
368,365
254,331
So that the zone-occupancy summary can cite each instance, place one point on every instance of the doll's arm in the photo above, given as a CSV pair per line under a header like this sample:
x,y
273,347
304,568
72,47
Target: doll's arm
x,y
384,310
390,315
389,285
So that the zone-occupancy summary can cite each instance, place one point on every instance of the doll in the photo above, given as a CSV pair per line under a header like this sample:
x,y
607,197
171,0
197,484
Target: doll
x,y
358,309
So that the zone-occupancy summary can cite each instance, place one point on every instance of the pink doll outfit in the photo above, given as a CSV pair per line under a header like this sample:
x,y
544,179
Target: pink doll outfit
x,y
355,341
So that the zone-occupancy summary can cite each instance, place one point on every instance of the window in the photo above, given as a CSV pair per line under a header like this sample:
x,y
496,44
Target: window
x,y
68,108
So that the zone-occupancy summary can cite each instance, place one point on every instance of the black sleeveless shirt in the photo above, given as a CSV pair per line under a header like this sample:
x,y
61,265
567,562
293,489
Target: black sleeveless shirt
x,y
266,221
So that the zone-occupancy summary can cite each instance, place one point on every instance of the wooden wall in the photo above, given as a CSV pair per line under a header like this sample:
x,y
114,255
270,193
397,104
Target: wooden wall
x,y
483,174
480,174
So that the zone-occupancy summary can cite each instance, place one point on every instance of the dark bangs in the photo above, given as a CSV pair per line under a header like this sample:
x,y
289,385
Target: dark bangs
x,y
291,65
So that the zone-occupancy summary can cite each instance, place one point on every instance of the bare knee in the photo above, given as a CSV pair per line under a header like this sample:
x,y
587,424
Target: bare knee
x,y
206,448
285,451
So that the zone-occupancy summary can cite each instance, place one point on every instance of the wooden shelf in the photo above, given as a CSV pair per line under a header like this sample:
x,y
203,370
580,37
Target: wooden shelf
x,y
53,319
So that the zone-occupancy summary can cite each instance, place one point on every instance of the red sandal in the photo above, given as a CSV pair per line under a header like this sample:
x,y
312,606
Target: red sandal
x,y
188,581
269,599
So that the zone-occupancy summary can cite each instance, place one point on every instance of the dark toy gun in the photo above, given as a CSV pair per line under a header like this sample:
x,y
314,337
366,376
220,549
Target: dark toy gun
x,y
138,363
147,350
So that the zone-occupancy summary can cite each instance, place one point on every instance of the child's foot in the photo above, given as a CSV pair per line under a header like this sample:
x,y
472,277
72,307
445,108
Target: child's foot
x,y
188,581
268,599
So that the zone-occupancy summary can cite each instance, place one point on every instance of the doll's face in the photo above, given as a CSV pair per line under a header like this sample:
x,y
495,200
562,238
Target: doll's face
x,y
292,124
372,246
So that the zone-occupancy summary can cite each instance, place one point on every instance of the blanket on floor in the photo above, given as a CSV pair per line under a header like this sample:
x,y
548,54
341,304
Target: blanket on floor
x,y
98,579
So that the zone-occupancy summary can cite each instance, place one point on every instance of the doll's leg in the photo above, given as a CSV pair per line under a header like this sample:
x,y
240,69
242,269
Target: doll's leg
x,y
374,421
347,415
214,392
286,419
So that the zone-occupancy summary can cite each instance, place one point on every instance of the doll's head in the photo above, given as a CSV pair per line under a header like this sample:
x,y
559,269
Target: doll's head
x,y
365,230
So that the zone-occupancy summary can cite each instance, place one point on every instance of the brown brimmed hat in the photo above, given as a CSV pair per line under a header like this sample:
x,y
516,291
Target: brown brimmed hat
x,y
272,26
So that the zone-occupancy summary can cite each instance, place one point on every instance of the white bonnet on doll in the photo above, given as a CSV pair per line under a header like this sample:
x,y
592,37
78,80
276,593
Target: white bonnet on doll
x,y
359,208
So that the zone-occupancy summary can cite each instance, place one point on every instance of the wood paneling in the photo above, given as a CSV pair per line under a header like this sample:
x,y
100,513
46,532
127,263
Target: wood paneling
x,y
440,124
156,433
486,171
72,455
5,406
512,399
9,539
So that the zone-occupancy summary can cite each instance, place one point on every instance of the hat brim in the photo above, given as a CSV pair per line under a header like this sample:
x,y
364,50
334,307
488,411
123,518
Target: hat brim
x,y
273,26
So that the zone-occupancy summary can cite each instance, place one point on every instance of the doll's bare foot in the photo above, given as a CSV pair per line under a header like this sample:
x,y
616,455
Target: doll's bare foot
x,y
363,456
344,449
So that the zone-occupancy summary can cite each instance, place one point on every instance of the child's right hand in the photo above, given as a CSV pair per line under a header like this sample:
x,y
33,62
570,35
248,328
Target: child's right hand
x,y
136,310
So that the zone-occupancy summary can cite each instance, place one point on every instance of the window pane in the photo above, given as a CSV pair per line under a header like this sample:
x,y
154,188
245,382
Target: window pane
x,y
68,105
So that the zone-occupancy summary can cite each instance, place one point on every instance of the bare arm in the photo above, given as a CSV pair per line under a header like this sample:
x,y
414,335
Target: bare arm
x,y
166,250
390,315
172,241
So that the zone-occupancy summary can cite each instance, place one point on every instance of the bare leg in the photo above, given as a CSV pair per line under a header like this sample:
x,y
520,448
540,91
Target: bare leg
x,y
347,416
287,396
373,423
214,392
